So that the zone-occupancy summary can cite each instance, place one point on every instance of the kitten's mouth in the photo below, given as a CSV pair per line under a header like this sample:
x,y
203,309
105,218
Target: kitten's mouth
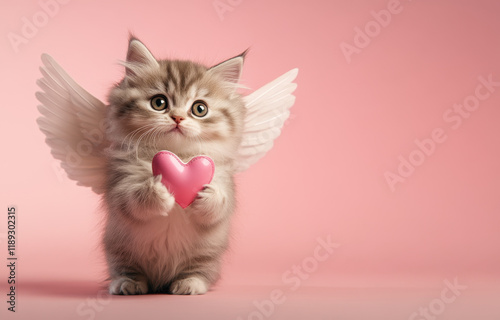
x,y
177,129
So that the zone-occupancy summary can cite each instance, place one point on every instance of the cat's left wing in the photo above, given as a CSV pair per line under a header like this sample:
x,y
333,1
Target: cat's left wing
x,y
267,110
73,123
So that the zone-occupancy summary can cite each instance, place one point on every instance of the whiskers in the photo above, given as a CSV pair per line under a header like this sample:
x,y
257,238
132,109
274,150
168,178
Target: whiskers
x,y
200,145
147,135
152,137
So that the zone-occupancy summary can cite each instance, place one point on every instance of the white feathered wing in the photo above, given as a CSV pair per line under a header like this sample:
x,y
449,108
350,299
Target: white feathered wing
x,y
267,110
73,123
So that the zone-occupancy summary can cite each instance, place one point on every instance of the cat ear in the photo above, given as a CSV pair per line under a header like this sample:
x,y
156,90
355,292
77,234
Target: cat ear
x,y
139,56
229,70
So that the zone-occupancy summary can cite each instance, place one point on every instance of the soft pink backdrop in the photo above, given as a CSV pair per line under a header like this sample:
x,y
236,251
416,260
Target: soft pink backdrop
x,y
325,175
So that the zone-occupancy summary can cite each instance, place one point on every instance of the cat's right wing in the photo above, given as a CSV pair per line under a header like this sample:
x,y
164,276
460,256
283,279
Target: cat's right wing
x,y
73,122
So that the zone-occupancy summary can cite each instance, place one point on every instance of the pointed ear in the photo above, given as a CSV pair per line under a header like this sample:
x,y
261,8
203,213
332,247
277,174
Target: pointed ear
x,y
229,70
138,55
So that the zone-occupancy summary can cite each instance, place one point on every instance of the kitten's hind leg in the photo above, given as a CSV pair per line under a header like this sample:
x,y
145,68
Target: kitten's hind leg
x,y
127,286
192,285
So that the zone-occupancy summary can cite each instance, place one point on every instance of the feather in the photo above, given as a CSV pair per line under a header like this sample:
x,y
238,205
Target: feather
x,y
69,115
267,110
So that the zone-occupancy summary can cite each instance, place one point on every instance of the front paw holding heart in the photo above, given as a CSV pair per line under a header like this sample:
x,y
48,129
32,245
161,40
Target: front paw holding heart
x,y
166,199
184,180
210,199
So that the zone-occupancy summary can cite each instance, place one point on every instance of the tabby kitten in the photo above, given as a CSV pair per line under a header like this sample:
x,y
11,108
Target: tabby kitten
x,y
152,244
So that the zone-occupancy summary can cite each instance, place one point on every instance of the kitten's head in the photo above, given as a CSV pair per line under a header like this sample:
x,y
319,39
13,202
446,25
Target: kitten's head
x,y
177,105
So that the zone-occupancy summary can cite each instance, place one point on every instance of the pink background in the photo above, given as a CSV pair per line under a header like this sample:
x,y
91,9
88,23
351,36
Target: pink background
x,y
325,175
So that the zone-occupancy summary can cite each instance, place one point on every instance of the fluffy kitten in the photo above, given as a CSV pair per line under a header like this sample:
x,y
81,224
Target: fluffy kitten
x,y
151,243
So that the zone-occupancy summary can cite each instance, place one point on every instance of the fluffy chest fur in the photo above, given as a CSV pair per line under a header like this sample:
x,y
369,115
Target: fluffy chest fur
x,y
163,246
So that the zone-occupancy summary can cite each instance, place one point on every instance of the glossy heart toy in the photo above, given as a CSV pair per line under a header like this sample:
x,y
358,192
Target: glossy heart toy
x,y
183,180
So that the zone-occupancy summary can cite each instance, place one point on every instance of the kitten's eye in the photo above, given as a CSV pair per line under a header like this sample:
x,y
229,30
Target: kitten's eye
x,y
199,109
159,102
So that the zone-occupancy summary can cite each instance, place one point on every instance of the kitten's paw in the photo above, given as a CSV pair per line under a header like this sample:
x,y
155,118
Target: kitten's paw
x,y
191,285
127,286
167,200
209,198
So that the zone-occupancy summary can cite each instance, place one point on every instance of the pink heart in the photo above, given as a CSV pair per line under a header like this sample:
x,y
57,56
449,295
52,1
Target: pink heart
x,y
183,180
